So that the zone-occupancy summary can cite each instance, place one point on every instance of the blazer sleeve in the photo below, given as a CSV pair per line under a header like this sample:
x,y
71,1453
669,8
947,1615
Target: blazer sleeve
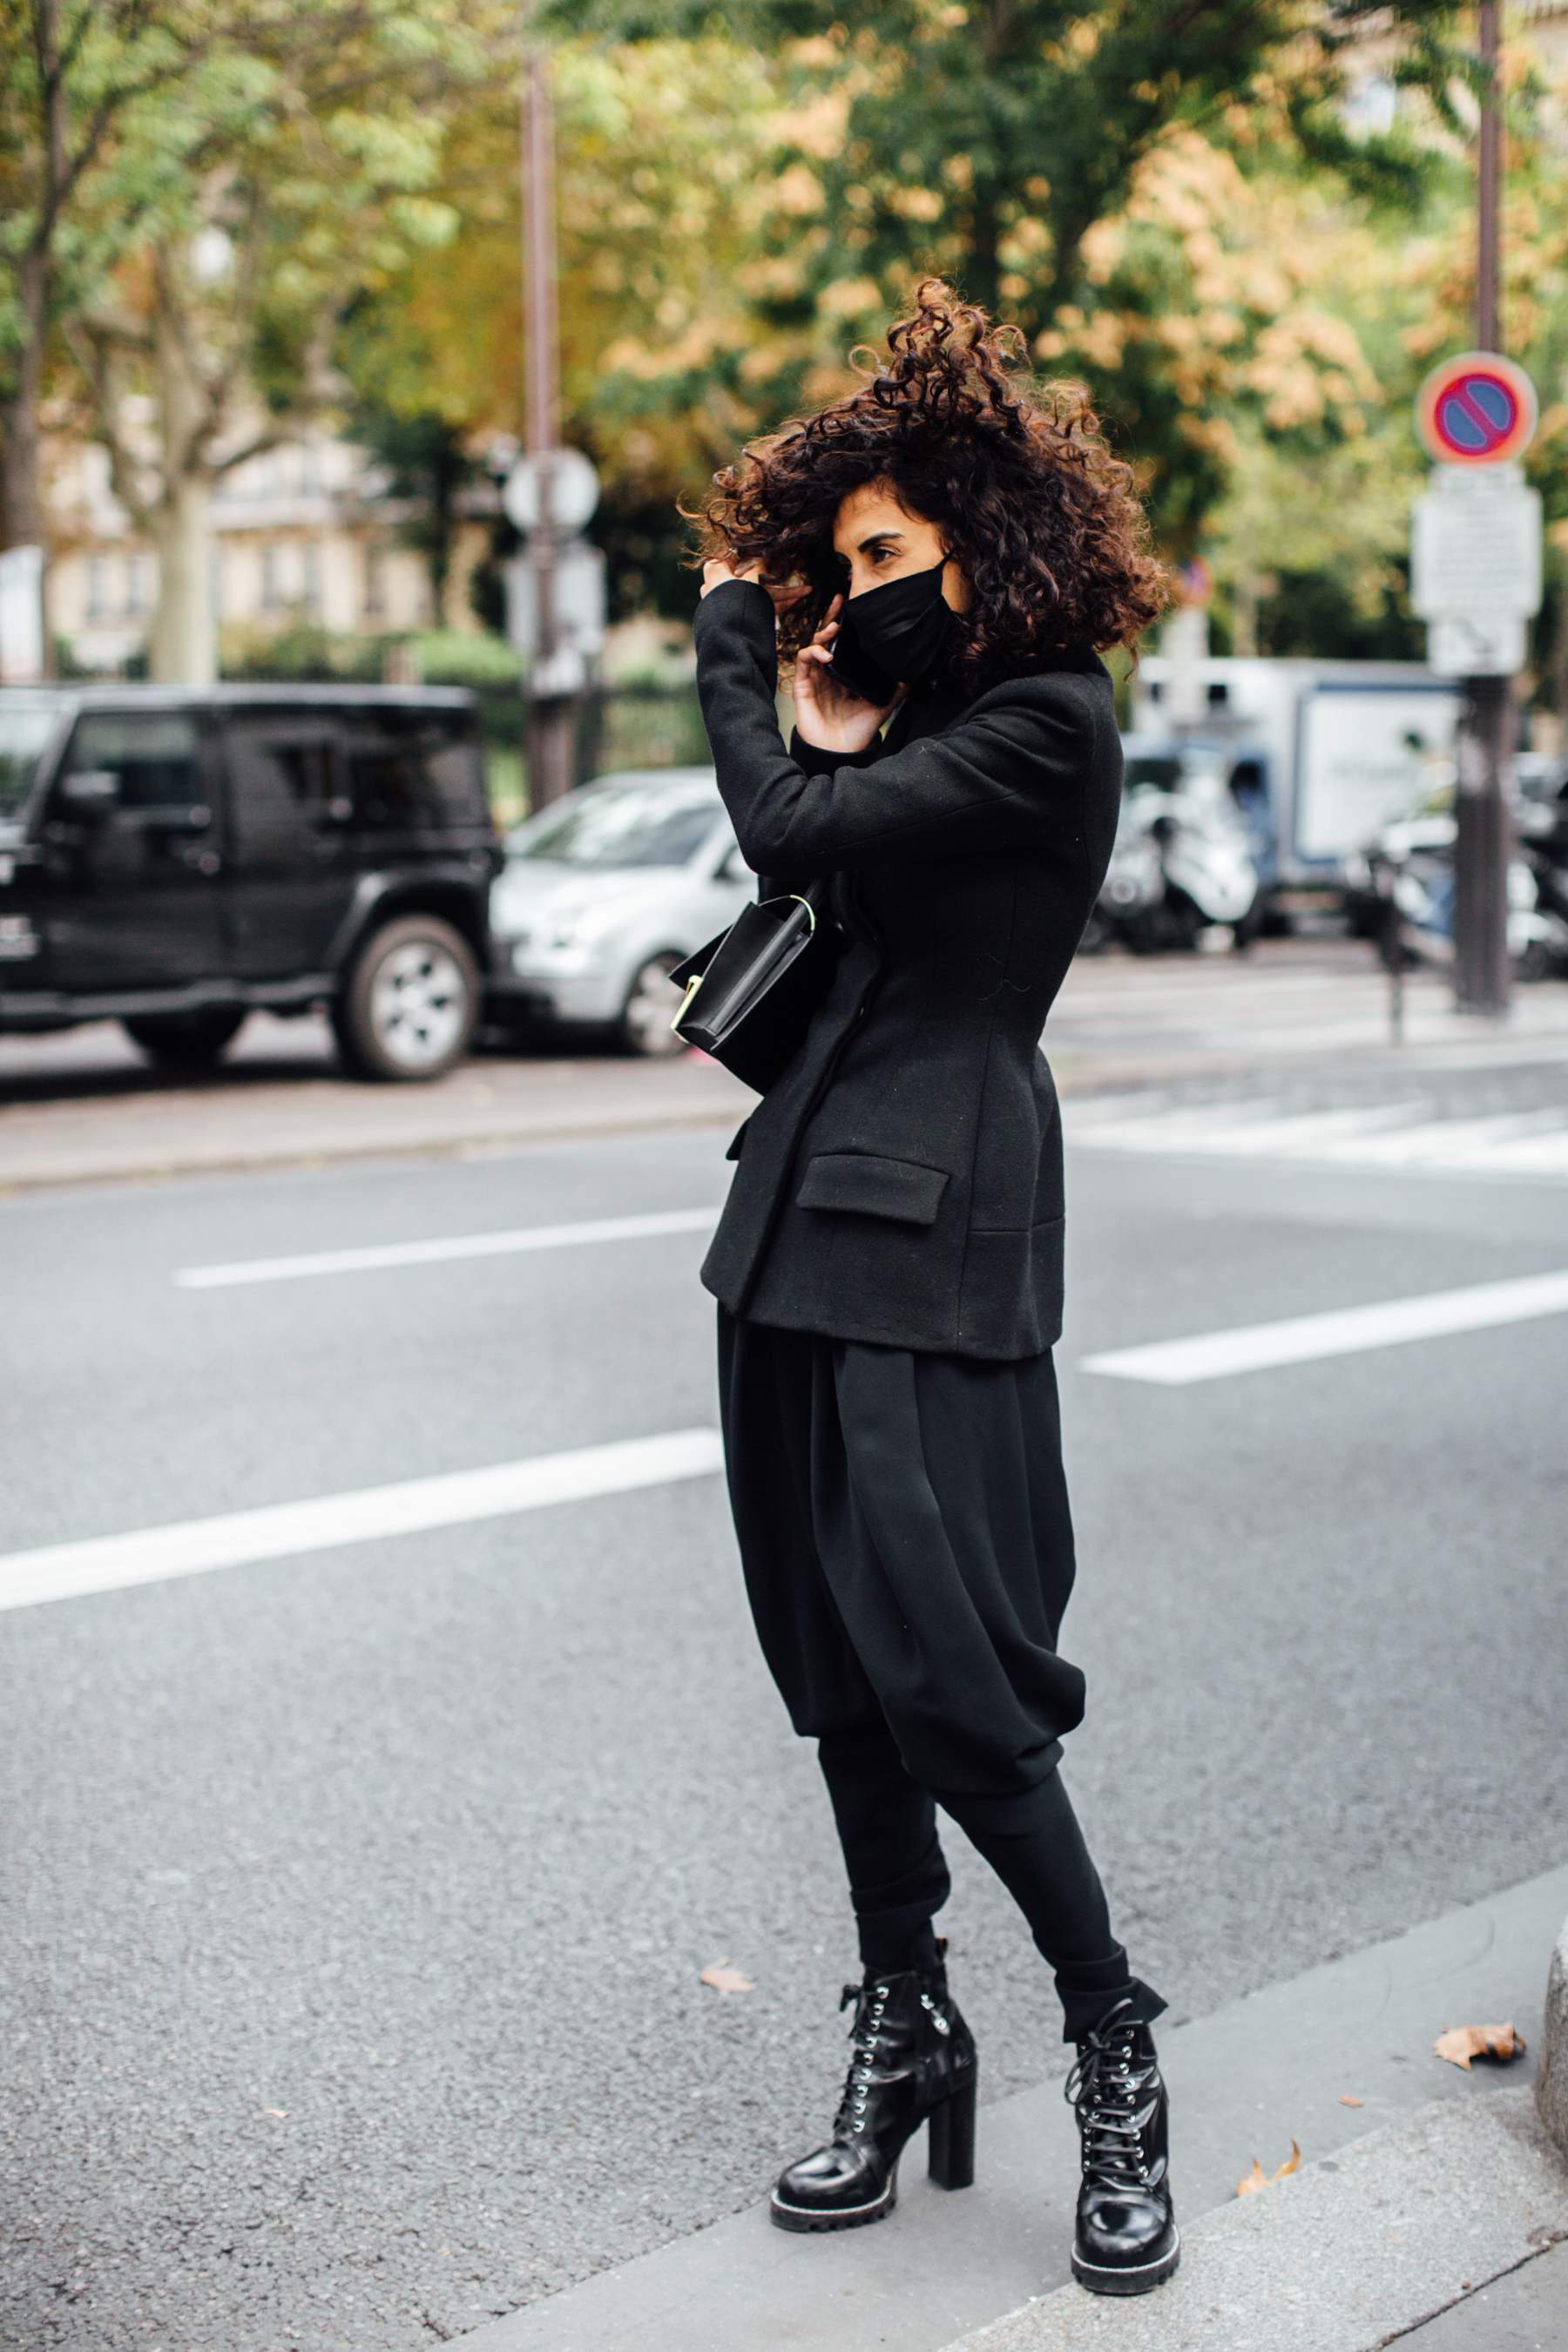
x,y
986,784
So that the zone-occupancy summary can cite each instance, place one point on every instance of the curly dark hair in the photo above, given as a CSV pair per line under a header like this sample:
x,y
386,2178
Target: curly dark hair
x,y
1017,477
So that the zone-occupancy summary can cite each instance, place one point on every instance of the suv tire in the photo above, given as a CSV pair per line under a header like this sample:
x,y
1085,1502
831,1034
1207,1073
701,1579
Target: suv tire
x,y
410,1002
184,1041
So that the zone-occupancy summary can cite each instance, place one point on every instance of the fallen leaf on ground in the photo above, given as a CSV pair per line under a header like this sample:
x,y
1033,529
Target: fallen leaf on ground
x,y
279,2112
1258,2179
724,1978
1463,2042
1346,2100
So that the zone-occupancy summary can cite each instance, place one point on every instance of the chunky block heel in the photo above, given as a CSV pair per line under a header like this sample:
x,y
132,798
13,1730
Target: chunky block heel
x,y
950,2138
912,2058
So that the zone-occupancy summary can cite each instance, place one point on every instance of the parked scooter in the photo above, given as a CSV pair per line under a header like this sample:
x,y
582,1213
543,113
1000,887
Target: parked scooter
x,y
1408,869
1540,831
1180,874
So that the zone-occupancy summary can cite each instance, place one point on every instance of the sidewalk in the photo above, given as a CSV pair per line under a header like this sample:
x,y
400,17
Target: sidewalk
x,y
84,1108
1462,2213
1436,2183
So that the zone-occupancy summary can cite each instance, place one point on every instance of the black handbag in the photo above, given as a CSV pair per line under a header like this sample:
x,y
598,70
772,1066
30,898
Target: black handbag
x,y
751,993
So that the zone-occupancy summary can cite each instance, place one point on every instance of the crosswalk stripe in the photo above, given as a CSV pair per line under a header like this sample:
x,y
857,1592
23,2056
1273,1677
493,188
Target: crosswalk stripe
x,y
1343,1331
1376,1136
454,1247
283,1530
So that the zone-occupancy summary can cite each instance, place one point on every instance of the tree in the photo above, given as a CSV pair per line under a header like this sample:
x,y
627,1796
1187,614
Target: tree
x,y
1022,147
668,160
310,177
77,78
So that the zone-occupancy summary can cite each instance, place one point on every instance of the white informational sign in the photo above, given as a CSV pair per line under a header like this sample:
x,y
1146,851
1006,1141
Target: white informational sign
x,y
21,615
1367,756
1475,546
577,597
1473,647
573,491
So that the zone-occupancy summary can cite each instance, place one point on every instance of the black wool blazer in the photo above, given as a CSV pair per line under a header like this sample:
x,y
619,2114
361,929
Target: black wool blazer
x,y
901,1183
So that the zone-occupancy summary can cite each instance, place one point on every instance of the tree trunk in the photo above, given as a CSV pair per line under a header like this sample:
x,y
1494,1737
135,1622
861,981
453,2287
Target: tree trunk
x,y
22,516
184,648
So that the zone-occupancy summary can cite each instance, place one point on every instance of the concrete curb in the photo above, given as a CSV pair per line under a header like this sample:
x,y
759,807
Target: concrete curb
x,y
1552,2075
1348,2255
1245,2081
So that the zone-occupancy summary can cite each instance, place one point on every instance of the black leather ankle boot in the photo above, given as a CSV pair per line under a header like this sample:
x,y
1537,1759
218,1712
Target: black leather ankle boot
x,y
914,2058
1126,2241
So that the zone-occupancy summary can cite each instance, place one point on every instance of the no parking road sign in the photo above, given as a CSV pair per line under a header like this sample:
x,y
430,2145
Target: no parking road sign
x,y
1477,410
1475,537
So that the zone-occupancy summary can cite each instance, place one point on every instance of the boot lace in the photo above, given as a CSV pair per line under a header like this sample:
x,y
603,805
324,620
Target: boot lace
x,y
870,2000
1106,2089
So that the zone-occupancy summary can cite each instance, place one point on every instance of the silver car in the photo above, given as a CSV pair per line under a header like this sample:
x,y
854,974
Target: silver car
x,y
604,892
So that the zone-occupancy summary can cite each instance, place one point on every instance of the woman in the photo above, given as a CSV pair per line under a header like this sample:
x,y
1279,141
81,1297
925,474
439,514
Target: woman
x,y
943,550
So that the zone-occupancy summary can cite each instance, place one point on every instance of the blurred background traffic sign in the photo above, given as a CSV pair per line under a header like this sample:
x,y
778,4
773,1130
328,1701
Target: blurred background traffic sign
x,y
1477,410
1474,557
573,489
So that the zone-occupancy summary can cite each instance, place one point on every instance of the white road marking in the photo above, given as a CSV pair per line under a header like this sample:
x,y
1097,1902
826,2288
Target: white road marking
x,y
459,1246
1345,1332
1382,1135
283,1531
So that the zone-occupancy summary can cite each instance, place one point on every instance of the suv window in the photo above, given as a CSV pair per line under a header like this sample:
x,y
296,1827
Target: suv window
x,y
281,765
26,727
409,769
155,754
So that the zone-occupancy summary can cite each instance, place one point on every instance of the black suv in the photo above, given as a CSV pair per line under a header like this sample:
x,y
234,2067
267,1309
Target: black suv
x,y
177,856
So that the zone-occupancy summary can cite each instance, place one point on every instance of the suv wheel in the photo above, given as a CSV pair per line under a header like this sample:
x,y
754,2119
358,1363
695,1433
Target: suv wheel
x,y
186,1041
410,1003
652,1002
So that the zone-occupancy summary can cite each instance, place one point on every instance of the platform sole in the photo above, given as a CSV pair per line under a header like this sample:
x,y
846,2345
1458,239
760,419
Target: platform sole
x,y
1141,2280
849,2217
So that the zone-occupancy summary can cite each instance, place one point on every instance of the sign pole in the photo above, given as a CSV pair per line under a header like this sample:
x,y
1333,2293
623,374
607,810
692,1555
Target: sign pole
x,y
1481,846
551,731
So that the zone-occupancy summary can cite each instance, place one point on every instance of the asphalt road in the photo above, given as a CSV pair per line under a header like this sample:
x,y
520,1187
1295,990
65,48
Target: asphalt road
x,y
355,1902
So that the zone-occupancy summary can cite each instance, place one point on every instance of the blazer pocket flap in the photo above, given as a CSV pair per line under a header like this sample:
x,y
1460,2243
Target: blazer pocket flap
x,y
854,1181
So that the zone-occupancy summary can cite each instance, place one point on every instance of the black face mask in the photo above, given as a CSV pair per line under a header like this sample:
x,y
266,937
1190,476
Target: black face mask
x,y
891,633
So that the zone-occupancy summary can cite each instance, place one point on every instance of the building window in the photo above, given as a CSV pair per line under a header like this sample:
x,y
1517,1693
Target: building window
x,y
312,579
271,582
375,583
97,588
310,470
136,598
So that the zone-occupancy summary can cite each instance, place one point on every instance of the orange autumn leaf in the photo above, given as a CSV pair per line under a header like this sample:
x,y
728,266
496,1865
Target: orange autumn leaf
x,y
1463,2042
1258,2179
1346,2100
724,1978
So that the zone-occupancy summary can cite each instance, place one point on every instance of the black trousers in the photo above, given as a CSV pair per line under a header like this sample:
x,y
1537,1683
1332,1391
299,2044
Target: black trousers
x,y
908,1551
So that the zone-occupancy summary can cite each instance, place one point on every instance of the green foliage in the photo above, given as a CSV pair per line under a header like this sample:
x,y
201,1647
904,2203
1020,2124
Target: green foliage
x,y
428,465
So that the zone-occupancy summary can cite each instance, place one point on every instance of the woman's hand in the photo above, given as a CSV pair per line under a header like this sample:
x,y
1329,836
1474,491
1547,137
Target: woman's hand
x,y
826,713
715,573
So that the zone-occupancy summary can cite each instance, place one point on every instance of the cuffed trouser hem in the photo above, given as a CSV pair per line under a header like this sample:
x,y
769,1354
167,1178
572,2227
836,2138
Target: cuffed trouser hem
x,y
1085,1998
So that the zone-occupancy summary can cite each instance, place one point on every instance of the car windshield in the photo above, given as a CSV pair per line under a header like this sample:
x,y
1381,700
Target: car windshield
x,y
25,728
625,824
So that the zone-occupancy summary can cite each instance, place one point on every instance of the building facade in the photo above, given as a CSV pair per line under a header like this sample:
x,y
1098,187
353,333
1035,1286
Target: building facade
x,y
304,534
